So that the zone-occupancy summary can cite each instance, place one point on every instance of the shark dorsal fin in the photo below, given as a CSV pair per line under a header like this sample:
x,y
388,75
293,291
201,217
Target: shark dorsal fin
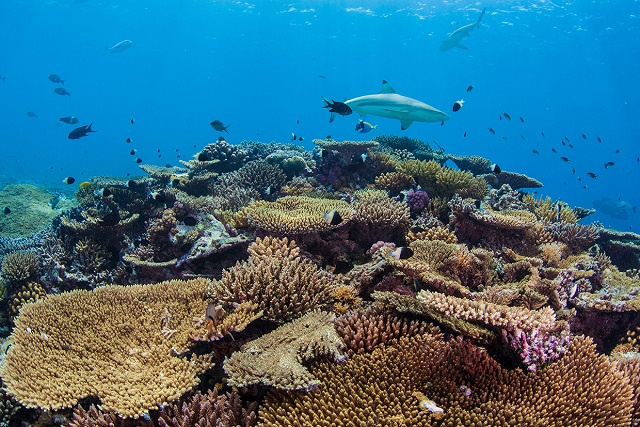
x,y
386,87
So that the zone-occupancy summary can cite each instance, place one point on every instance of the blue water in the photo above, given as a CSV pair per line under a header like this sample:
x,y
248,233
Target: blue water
x,y
567,68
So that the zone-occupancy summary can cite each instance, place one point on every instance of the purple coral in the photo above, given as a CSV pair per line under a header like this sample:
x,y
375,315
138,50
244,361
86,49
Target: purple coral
x,y
417,200
536,348
379,244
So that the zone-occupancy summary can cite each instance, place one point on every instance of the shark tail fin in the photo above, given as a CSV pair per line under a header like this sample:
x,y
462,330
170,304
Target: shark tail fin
x,y
481,15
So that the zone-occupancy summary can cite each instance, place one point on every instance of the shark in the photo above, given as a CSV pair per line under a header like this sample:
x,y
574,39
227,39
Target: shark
x,y
454,39
387,103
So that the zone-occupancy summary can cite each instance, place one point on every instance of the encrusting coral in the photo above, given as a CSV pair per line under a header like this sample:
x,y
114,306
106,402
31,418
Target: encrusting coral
x,y
465,386
276,278
120,344
275,359
296,214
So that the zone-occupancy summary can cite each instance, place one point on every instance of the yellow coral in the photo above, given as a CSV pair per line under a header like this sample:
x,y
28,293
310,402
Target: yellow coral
x,y
440,181
548,211
296,214
434,233
394,182
112,343
376,209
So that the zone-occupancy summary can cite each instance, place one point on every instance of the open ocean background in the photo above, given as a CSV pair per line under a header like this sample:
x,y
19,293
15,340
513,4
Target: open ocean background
x,y
567,68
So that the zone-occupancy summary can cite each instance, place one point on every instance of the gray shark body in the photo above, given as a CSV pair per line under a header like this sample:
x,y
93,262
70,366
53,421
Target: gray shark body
x,y
454,39
387,103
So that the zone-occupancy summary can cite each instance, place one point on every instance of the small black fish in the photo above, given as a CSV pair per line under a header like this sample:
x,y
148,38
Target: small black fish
x,y
565,137
297,122
6,210
62,91
543,135
570,145
338,108
554,150
495,168
102,192
402,252
563,143
128,140
492,131
202,157
110,219
80,132
300,139
71,120
69,180
458,105
522,136
190,221
158,197
442,123
534,151
269,190
506,116
323,153
584,136
32,114
608,165
133,152
504,138
521,119
138,160
133,121
584,186
56,79
573,170
132,184
465,135
294,137
565,159
592,175
217,125
328,138
617,151
321,77
332,217
599,140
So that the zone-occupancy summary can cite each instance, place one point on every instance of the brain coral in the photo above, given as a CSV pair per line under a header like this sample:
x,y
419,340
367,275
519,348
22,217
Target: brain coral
x,y
426,381
120,344
296,214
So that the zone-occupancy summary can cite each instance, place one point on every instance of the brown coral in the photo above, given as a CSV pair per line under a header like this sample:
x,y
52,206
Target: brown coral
x,y
440,181
296,214
275,277
117,343
435,233
470,388
30,292
20,266
394,182
275,359
378,217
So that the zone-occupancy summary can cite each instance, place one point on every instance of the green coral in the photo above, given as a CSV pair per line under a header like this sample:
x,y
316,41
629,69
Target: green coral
x,y
31,210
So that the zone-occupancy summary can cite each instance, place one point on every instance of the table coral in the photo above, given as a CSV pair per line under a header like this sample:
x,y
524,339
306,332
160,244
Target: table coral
x,y
296,214
110,343
275,359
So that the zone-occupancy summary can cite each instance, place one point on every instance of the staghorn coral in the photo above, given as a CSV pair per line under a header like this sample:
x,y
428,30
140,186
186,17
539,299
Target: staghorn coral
x,y
8,407
275,277
254,177
209,410
378,388
377,217
577,237
364,330
296,214
418,149
549,212
394,182
20,266
223,323
29,292
440,181
117,343
89,256
434,233
275,359
94,417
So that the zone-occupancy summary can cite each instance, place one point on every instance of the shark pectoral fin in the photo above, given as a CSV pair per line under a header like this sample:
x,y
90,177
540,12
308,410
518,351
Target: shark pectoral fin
x,y
461,46
386,87
405,123
332,117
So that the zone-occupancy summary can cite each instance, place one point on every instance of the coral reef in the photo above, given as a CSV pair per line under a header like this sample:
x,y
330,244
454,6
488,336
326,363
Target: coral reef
x,y
440,181
513,179
394,182
20,266
120,344
210,409
378,217
296,214
32,210
275,359
276,278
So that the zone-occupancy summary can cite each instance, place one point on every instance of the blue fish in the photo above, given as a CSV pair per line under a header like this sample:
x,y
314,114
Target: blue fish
x,y
364,127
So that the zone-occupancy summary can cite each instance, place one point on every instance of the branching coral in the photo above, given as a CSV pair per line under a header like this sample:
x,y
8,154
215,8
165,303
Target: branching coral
x,y
378,388
112,343
219,156
296,214
29,292
377,217
394,182
434,233
618,293
275,277
20,266
275,359
548,211
255,177
440,181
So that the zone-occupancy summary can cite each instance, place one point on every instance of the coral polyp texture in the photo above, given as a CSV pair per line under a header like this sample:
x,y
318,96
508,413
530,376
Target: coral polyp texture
x,y
119,344
296,215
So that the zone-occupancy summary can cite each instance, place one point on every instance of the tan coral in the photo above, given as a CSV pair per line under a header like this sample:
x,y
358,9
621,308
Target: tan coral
x,y
296,214
109,343
275,277
375,209
394,182
435,233
379,389
440,181
548,211
275,359
30,292
20,266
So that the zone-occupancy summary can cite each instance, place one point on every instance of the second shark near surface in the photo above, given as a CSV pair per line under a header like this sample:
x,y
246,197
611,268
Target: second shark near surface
x,y
387,103
454,39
